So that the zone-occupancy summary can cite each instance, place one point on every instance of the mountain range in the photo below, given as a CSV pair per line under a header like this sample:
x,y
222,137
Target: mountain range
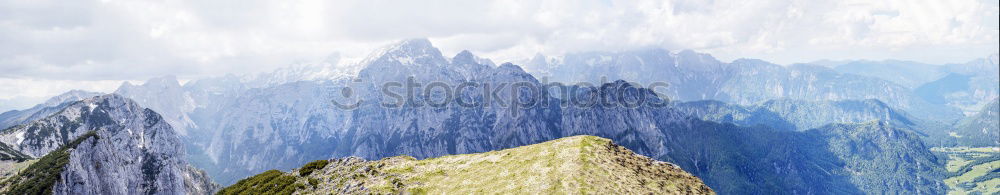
x,y
967,86
743,127
54,104
283,126
801,115
915,88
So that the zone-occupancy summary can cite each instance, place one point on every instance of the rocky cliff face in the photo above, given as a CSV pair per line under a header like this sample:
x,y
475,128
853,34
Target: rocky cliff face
x,y
114,147
273,128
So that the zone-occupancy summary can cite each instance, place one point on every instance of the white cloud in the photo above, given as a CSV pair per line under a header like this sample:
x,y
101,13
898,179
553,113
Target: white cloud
x,y
112,40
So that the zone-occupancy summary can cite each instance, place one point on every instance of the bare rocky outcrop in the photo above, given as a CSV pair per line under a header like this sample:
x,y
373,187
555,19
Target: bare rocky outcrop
x,y
113,147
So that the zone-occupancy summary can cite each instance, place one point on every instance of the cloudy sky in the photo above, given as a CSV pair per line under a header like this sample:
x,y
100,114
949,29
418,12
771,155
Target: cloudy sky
x,y
48,47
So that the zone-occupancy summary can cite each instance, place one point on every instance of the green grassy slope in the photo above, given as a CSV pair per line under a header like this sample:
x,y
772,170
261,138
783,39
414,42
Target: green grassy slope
x,y
39,177
578,164
972,170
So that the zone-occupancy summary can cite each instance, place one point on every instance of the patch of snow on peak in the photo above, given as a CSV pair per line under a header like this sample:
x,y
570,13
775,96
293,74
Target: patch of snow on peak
x,y
19,137
142,139
405,60
91,106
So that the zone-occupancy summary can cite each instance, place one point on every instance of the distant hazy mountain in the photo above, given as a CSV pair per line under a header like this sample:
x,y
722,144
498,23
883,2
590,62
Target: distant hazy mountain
x,y
907,73
270,128
101,145
54,104
798,115
326,70
568,165
166,96
967,86
968,92
203,109
694,76
801,115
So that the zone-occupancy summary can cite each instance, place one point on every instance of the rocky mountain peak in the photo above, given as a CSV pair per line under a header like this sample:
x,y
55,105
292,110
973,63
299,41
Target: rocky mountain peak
x,y
470,66
466,57
409,58
698,61
72,95
165,82
411,52
53,105
165,96
510,68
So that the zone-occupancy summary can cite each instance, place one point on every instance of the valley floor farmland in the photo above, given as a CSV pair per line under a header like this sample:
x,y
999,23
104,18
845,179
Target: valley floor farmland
x,y
972,170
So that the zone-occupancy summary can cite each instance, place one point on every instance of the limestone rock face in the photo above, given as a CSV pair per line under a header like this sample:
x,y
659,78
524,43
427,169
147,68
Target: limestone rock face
x,y
127,149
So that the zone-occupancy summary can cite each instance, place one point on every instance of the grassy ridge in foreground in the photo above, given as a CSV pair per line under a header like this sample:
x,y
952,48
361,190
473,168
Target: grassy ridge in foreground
x,y
578,164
